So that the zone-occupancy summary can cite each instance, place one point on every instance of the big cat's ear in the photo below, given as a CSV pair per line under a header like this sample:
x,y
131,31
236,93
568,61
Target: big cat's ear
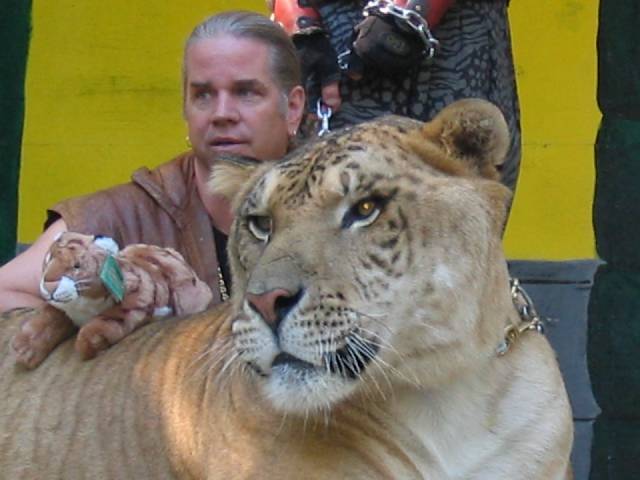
x,y
473,131
230,173
499,198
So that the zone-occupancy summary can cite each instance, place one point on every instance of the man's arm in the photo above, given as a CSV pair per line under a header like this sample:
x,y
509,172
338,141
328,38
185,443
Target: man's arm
x,y
317,56
20,278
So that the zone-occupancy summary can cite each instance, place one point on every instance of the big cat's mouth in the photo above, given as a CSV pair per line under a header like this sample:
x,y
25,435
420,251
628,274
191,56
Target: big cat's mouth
x,y
299,386
351,360
291,361
348,362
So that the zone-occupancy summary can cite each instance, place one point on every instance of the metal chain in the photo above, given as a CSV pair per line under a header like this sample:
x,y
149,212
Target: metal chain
x,y
343,59
528,314
324,113
409,18
222,286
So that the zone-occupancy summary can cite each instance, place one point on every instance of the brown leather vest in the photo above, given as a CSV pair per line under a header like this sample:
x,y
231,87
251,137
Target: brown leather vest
x,y
159,206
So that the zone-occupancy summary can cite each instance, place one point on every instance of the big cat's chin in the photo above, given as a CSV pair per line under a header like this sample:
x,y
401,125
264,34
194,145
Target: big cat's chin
x,y
303,391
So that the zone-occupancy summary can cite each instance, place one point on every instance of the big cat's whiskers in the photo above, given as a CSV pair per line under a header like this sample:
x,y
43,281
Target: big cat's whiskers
x,y
216,360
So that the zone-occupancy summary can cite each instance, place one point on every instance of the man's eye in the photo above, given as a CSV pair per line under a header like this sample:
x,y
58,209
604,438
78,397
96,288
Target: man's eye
x,y
364,212
247,93
201,95
260,227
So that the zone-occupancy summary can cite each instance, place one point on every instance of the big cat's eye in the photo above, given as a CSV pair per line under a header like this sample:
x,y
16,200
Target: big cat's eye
x,y
365,208
260,227
364,212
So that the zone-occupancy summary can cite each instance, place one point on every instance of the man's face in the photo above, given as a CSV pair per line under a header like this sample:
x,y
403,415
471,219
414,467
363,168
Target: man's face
x,y
232,104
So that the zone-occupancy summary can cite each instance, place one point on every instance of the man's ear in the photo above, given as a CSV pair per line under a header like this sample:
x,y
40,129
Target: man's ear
x,y
295,108
473,131
230,173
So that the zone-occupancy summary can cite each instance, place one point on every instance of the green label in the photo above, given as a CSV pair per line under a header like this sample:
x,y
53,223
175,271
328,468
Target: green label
x,y
112,278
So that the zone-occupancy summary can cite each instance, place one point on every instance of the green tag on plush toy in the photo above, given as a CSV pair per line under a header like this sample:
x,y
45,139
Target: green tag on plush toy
x,y
112,278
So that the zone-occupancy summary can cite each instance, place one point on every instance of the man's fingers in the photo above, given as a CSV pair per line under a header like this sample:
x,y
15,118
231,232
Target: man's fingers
x,y
331,96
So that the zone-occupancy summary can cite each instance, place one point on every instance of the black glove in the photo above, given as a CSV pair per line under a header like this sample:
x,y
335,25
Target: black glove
x,y
318,61
382,44
315,3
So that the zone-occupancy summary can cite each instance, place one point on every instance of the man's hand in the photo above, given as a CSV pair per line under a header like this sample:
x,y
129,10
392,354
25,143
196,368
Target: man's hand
x,y
319,63
395,35
382,44
20,278
318,59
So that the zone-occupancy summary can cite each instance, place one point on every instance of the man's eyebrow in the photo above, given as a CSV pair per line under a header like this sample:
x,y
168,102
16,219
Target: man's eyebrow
x,y
199,84
249,83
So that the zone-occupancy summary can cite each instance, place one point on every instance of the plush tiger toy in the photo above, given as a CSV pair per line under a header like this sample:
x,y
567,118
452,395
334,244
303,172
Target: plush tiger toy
x,y
108,293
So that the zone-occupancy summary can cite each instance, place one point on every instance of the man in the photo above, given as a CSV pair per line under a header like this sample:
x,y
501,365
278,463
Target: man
x,y
242,95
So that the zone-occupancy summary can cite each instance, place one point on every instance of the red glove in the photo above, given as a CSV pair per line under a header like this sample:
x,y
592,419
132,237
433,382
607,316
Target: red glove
x,y
294,18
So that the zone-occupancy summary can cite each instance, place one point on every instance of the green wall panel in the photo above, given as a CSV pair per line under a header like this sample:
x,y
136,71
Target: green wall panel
x,y
614,342
618,59
616,208
614,312
14,40
616,451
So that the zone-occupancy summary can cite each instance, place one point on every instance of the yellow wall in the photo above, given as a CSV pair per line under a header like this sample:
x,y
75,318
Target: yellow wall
x,y
103,97
555,53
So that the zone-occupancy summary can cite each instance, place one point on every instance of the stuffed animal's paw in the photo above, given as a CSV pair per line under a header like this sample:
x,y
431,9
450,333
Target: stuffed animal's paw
x,y
99,334
39,334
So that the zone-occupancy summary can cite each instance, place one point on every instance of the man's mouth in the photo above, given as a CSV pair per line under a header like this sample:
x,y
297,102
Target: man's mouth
x,y
226,143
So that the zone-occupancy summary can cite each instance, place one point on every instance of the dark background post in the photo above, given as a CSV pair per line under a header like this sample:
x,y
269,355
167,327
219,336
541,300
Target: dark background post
x,y
15,27
614,311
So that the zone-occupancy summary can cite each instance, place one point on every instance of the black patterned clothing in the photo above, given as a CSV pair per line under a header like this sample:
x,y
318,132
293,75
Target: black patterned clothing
x,y
474,60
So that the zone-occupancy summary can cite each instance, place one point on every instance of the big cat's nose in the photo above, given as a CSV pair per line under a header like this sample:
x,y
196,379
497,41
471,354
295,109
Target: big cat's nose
x,y
274,305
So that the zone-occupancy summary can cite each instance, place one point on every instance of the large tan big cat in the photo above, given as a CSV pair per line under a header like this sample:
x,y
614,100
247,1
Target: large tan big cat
x,y
365,338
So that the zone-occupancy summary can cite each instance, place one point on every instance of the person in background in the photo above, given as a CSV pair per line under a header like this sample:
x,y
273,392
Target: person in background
x,y
404,57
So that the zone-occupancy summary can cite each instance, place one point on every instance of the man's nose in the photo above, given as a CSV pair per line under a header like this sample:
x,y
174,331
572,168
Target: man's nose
x,y
224,109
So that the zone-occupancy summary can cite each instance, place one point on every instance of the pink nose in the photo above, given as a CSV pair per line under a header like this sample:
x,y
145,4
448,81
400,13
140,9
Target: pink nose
x,y
273,305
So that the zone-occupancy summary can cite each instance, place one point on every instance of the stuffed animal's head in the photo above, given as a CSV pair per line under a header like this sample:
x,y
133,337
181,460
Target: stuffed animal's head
x,y
72,268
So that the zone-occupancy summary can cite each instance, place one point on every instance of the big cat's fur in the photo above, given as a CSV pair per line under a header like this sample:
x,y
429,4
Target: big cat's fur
x,y
370,299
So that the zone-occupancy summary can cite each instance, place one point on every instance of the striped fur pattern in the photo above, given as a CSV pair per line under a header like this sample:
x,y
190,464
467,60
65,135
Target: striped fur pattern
x,y
370,294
